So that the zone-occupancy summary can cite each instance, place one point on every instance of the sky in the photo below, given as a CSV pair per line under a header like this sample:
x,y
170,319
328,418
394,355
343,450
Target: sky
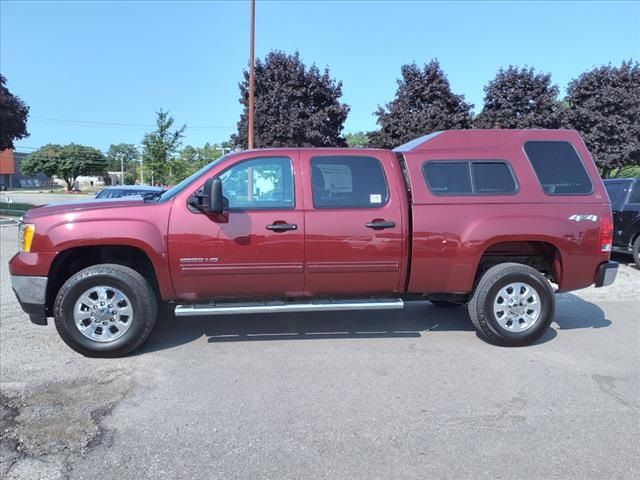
x,y
95,73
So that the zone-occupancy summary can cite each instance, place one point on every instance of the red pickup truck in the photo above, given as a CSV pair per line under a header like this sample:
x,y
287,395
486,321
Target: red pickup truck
x,y
487,218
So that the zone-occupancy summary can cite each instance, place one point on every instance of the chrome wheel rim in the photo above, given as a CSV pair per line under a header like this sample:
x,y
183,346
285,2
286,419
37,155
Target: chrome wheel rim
x,y
103,314
517,307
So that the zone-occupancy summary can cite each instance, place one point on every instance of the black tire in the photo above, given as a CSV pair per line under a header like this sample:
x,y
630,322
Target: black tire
x,y
481,305
143,303
636,251
445,304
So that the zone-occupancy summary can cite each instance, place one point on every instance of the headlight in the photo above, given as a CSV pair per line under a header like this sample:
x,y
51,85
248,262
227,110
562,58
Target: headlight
x,y
27,230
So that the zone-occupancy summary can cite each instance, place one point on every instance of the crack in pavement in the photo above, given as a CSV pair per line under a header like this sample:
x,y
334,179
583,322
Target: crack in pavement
x,y
42,429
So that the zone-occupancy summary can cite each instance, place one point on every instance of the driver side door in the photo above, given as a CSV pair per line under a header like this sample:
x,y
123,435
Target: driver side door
x,y
256,247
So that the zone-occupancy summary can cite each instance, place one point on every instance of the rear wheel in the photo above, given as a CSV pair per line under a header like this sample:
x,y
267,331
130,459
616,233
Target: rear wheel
x,y
636,251
513,305
105,310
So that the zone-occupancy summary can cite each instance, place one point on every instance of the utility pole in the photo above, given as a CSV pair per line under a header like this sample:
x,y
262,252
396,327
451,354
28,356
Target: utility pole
x,y
251,76
141,169
121,168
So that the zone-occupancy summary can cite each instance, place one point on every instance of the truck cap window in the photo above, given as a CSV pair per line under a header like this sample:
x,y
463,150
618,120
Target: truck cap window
x,y
345,181
259,183
558,168
469,178
447,178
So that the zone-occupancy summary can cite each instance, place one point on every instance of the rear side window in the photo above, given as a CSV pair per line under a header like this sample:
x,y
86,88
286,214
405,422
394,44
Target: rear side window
x,y
558,168
635,195
469,178
348,182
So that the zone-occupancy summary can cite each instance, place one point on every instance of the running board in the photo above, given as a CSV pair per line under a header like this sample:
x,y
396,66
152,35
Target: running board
x,y
283,307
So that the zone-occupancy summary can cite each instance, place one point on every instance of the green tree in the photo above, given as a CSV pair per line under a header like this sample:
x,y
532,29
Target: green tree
x,y
295,106
357,140
160,148
190,155
520,98
604,106
65,161
424,103
193,158
13,117
201,156
128,152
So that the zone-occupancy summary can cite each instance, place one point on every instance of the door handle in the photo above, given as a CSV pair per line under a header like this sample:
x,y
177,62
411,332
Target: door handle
x,y
281,227
380,224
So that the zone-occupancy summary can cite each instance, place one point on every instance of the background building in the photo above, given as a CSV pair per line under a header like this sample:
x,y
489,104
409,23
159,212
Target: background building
x,y
11,176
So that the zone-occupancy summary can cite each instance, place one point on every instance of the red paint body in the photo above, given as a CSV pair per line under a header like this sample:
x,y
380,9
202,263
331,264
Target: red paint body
x,y
435,247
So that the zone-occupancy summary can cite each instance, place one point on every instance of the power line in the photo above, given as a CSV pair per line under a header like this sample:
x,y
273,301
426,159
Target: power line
x,y
92,123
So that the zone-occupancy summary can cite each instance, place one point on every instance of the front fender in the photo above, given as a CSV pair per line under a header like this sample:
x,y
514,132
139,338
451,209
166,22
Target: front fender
x,y
136,233
141,234
141,226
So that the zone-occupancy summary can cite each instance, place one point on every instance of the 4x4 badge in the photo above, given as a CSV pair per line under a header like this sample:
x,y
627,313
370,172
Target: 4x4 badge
x,y
580,218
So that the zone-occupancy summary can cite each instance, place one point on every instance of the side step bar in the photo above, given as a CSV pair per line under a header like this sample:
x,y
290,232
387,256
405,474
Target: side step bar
x,y
283,307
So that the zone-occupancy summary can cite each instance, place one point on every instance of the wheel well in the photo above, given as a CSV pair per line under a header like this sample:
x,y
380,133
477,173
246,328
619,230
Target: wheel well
x,y
543,256
73,260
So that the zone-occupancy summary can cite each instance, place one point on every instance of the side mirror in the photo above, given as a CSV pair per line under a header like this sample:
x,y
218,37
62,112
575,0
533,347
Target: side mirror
x,y
215,195
210,199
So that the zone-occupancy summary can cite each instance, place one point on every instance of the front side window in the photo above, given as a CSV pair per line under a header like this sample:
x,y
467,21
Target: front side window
x,y
558,168
348,182
259,183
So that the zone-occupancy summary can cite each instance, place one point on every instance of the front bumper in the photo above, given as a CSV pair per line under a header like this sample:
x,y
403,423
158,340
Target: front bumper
x,y
606,274
32,296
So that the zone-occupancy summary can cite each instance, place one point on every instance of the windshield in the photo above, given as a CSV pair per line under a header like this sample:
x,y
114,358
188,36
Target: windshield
x,y
115,193
173,191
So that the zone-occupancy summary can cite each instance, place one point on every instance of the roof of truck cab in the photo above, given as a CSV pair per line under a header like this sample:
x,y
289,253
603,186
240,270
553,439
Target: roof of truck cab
x,y
478,139
327,150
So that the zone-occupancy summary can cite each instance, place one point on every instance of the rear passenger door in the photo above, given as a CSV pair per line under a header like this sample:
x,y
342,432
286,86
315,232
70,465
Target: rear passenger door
x,y
354,224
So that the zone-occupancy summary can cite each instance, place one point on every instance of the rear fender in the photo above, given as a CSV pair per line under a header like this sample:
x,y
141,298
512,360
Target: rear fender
x,y
520,230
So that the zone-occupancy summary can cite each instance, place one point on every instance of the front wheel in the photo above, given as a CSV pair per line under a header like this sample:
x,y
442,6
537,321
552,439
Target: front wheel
x,y
513,305
636,251
105,310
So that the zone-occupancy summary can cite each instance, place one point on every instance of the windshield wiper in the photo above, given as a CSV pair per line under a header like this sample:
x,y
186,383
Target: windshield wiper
x,y
152,196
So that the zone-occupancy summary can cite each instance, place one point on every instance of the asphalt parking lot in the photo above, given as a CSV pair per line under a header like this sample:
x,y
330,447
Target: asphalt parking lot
x,y
376,395
37,198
